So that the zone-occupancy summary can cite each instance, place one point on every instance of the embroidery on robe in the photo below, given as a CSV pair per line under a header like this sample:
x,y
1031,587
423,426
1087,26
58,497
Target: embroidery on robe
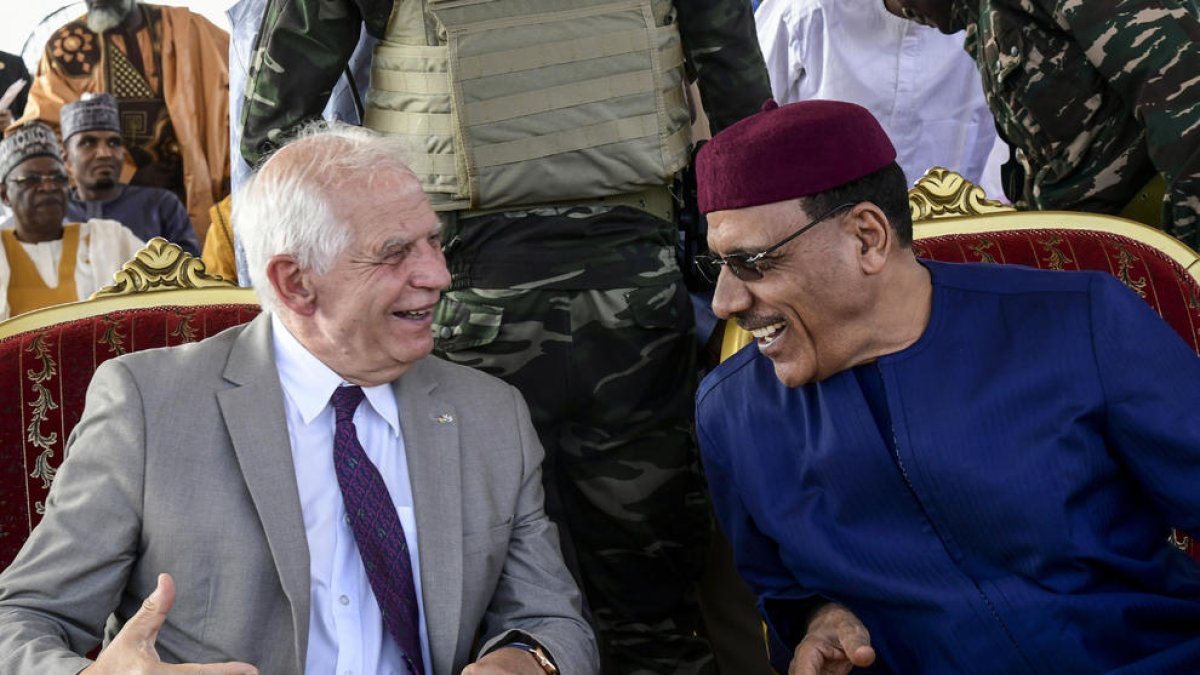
x,y
73,49
126,82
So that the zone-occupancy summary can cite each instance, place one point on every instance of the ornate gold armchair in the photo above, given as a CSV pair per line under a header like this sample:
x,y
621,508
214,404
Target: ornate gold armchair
x,y
47,357
954,221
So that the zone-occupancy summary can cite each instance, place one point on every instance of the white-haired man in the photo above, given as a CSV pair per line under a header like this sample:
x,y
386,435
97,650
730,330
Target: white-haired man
x,y
168,68
326,495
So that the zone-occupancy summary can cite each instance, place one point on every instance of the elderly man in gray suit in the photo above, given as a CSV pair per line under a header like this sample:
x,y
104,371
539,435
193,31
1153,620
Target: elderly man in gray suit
x,y
311,492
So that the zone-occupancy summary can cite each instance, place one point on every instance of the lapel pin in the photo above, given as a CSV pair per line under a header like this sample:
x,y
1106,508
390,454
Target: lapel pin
x,y
444,418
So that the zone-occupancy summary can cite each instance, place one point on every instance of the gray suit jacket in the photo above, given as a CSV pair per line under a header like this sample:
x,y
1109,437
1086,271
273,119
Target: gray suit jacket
x,y
182,464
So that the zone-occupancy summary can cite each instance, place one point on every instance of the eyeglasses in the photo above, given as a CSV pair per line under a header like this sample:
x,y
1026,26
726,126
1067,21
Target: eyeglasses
x,y
745,265
56,179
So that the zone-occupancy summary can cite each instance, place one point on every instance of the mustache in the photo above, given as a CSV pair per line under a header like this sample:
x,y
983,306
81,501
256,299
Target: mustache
x,y
749,322
50,199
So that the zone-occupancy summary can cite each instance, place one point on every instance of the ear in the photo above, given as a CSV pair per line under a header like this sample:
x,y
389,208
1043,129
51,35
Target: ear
x,y
292,285
66,155
874,235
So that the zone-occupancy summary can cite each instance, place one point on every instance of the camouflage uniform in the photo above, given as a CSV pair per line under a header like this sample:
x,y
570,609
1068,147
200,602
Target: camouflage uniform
x,y
1097,97
582,307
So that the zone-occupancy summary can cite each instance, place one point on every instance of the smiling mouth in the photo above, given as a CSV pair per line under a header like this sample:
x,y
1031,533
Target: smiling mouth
x,y
765,336
416,314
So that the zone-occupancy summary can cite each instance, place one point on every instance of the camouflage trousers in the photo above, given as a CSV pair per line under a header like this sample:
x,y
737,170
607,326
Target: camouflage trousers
x,y
609,377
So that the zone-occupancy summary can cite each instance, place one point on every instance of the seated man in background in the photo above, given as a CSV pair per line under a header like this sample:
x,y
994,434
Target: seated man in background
x,y
944,468
94,153
169,69
46,261
329,496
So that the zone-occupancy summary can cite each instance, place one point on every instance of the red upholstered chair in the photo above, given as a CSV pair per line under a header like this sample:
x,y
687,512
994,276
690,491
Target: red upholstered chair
x,y
47,358
954,221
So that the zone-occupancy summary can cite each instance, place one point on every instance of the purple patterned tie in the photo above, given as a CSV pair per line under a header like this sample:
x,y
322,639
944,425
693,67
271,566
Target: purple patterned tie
x,y
377,530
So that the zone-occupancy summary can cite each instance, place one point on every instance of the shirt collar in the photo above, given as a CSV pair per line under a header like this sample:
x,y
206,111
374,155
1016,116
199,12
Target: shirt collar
x,y
309,383
74,195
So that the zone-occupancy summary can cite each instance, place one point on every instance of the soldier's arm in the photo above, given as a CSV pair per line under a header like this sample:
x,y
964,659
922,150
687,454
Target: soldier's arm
x,y
722,49
1149,52
301,50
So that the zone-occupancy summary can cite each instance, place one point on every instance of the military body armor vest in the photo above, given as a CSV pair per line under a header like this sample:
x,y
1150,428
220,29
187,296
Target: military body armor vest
x,y
524,102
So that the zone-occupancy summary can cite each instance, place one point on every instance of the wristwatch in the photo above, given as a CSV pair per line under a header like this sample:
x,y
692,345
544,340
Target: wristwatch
x,y
538,654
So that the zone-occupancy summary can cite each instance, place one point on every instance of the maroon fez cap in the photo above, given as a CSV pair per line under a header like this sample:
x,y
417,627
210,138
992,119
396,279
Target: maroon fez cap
x,y
790,151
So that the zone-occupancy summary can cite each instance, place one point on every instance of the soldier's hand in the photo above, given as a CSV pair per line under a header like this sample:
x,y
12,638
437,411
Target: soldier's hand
x,y
6,118
132,650
836,642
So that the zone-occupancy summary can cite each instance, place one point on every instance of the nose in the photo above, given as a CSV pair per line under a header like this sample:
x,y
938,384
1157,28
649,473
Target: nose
x,y
431,271
731,296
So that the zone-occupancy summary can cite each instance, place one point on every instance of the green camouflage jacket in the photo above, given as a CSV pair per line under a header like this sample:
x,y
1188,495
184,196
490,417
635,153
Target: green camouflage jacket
x,y
1097,96
303,46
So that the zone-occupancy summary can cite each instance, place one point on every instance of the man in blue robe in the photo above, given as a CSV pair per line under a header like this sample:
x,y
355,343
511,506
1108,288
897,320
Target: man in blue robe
x,y
936,468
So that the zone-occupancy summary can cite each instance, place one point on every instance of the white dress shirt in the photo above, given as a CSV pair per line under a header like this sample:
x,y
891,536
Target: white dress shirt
x,y
919,83
346,635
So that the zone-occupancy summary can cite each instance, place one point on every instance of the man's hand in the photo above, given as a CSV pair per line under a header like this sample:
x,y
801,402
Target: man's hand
x,y
836,642
505,661
132,650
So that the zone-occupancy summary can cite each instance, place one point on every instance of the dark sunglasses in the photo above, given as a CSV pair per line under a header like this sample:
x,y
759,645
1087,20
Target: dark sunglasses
x,y
58,179
745,265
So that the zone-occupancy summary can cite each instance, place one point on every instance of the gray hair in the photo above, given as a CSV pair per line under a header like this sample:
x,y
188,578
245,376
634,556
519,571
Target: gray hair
x,y
103,20
290,206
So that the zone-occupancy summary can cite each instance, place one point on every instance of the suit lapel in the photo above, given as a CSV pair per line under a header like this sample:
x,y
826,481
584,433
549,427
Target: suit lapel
x,y
430,428
257,427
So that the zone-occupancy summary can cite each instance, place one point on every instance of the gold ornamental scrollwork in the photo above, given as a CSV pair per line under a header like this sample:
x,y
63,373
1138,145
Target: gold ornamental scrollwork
x,y
161,265
1055,258
41,406
942,193
1125,261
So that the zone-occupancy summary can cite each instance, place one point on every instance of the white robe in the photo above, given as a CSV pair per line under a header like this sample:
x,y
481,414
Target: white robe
x,y
920,84
104,246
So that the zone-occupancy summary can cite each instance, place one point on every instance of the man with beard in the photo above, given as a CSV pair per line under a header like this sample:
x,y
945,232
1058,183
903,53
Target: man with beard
x,y
168,70
47,262
94,153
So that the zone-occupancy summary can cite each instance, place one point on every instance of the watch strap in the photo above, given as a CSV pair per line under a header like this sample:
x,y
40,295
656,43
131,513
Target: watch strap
x,y
538,654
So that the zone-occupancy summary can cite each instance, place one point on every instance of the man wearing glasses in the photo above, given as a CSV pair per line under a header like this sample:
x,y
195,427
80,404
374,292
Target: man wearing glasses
x,y
928,467
46,261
